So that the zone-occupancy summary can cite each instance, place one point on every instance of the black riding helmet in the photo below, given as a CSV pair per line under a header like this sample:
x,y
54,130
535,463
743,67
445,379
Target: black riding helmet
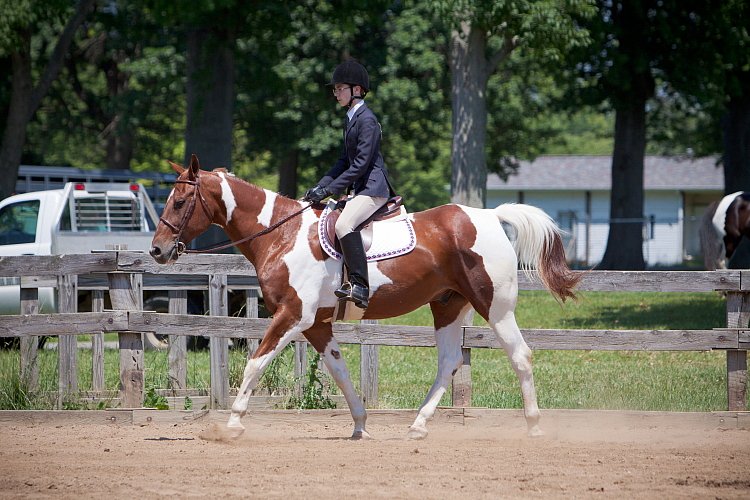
x,y
352,73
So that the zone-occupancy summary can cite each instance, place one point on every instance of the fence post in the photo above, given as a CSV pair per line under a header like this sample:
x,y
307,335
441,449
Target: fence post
x,y
177,352
251,311
29,345
125,293
97,345
368,370
219,346
738,316
67,345
461,389
461,386
300,366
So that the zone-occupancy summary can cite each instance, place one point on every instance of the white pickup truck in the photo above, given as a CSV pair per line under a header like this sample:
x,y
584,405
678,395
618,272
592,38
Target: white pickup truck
x,y
80,218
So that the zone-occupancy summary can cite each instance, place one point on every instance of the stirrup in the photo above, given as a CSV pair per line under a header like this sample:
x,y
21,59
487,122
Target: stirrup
x,y
354,292
345,290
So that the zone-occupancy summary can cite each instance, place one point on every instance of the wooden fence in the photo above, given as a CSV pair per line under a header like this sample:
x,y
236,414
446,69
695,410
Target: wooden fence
x,y
125,275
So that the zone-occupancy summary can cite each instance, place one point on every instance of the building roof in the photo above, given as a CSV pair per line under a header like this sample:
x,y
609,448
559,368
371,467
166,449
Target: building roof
x,y
592,173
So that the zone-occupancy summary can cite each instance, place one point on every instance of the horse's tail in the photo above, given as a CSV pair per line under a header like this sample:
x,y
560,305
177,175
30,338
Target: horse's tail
x,y
538,245
711,245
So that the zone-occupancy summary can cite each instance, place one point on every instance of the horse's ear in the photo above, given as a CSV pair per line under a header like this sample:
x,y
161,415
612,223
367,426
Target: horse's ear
x,y
177,168
195,166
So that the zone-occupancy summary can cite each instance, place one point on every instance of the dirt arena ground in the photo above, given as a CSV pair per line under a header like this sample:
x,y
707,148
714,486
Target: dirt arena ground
x,y
468,454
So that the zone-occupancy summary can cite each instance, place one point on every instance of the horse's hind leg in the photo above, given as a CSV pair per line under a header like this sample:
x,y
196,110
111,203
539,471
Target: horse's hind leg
x,y
321,338
449,318
503,322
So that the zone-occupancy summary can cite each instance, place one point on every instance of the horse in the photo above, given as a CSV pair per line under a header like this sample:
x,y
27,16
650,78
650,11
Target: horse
x,y
463,259
722,227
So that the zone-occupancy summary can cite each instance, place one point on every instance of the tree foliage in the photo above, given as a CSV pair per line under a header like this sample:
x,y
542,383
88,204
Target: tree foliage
x,y
538,77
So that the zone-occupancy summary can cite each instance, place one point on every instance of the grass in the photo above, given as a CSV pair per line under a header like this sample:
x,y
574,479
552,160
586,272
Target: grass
x,y
668,381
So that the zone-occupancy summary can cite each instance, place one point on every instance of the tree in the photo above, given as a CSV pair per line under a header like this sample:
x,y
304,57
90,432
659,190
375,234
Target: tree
x,y
288,118
637,48
21,20
119,101
727,28
484,35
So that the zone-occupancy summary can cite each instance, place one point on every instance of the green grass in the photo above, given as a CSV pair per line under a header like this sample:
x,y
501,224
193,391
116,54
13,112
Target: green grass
x,y
668,381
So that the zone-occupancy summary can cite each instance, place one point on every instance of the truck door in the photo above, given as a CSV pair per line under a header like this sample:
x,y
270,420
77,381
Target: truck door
x,y
20,224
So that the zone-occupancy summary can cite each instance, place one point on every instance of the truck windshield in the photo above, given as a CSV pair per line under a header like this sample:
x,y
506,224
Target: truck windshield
x,y
18,222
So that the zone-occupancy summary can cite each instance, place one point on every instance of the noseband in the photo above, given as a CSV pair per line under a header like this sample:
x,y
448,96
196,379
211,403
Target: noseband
x,y
178,230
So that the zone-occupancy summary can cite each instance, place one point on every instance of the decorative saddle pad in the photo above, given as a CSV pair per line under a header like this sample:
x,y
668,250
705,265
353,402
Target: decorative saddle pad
x,y
382,239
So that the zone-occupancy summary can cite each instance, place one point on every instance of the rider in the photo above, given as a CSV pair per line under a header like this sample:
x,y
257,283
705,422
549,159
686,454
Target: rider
x,y
360,166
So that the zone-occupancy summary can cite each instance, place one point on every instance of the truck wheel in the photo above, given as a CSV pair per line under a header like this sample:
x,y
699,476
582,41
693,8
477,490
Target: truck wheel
x,y
151,340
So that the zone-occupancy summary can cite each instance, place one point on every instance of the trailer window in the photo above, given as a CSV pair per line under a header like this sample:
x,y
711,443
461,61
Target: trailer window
x,y
18,222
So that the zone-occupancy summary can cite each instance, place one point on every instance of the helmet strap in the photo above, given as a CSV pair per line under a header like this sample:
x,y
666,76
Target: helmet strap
x,y
351,99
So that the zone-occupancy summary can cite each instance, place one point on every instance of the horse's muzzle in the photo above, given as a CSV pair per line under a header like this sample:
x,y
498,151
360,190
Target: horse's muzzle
x,y
165,257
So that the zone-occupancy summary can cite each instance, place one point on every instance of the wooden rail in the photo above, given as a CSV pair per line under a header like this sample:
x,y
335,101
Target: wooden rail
x,y
126,274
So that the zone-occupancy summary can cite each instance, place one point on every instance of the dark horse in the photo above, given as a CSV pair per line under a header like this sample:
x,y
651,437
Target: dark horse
x,y
463,260
724,224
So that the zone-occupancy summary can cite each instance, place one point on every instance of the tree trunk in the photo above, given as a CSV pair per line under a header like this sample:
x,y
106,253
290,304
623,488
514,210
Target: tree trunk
x,y
210,107
625,242
736,129
210,96
469,74
119,130
14,135
288,174
25,98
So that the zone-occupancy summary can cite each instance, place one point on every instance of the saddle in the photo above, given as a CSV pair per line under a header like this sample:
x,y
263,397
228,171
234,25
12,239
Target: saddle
x,y
391,219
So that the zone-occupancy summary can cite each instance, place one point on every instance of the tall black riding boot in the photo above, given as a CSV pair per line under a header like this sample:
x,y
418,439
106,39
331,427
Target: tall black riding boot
x,y
357,289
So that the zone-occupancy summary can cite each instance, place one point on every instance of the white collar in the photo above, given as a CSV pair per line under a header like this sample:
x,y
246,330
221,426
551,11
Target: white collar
x,y
354,109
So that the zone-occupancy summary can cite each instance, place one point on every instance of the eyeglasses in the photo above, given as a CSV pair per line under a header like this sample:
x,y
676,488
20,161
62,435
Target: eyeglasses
x,y
336,91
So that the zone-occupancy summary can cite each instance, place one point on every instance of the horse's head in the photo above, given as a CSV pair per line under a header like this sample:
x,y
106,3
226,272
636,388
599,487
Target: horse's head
x,y
736,222
186,214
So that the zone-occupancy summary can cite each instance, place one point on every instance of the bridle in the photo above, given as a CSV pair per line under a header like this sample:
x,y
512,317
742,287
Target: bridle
x,y
178,230
197,194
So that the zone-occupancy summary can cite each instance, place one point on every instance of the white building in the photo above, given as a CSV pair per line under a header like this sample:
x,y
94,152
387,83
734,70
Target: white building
x,y
575,191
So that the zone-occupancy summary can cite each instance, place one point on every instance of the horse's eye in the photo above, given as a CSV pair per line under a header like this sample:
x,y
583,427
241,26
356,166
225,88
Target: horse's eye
x,y
178,204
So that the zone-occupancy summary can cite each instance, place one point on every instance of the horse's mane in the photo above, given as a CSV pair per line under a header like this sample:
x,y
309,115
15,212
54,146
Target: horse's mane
x,y
234,177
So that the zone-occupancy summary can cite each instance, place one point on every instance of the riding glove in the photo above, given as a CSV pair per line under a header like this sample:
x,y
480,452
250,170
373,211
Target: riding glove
x,y
316,194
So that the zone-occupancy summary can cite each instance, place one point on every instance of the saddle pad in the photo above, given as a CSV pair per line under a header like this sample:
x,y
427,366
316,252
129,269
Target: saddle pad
x,y
390,238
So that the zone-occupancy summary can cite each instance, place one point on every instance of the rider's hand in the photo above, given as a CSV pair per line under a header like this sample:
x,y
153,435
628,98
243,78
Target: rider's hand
x,y
316,194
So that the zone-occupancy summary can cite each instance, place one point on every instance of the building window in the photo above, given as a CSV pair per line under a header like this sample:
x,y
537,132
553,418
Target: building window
x,y
568,222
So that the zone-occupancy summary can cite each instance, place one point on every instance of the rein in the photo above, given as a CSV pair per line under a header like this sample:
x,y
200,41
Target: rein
x,y
189,213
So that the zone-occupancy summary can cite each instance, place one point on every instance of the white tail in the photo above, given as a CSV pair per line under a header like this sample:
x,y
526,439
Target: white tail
x,y
534,229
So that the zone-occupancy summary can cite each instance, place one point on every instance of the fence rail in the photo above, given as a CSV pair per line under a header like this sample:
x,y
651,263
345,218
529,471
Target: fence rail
x,y
125,275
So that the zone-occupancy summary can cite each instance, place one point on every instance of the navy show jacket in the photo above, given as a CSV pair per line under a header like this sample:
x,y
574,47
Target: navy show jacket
x,y
360,165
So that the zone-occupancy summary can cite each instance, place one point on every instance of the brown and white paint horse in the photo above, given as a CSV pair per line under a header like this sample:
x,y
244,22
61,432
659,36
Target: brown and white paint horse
x,y
463,260
724,224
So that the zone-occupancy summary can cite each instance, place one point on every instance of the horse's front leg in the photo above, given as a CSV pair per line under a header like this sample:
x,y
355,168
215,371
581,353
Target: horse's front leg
x,y
282,330
448,335
321,338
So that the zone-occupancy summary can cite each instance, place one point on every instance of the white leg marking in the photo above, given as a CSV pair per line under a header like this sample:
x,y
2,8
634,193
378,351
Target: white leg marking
x,y
253,370
450,359
500,262
337,367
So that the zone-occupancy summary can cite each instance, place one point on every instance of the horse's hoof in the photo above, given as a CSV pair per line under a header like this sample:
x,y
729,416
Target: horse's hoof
x,y
235,432
216,432
416,433
363,434
535,432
